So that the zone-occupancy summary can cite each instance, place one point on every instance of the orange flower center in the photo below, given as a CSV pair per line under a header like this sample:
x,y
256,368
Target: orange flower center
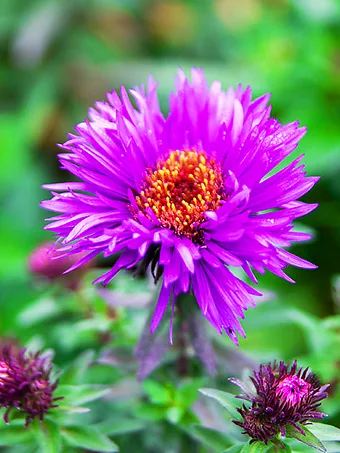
x,y
181,189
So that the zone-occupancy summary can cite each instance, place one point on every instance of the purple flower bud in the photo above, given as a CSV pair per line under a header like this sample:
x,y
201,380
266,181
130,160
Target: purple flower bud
x,y
283,396
46,262
25,383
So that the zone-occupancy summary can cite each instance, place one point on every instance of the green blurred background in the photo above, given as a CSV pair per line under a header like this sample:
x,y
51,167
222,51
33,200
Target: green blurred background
x,y
58,57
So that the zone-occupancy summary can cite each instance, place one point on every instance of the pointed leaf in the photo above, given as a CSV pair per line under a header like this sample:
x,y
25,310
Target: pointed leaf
x,y
227,400
77,395
41,310
216,440
73,409
308,438
88,438
11,434
47,435
326,433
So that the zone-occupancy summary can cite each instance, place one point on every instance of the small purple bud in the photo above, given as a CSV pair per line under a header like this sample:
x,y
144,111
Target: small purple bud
x,y
25,383
284,395
46,262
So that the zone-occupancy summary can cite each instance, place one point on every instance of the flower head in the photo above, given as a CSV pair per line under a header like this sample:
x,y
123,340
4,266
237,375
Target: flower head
x,y
283,396
190,194
25,383
46,262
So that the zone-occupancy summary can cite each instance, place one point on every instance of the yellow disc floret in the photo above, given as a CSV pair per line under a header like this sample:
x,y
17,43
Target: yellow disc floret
x,y
181,189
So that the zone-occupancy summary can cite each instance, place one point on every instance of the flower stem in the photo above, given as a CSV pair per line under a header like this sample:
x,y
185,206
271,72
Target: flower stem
x,y
182,361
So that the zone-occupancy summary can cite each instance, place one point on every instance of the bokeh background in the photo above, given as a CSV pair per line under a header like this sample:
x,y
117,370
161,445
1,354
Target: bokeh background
x,y
58,56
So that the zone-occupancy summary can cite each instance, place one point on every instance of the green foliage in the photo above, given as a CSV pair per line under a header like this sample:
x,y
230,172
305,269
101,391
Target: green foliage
x,y
227,400
216,440
169,402
326,433
306,437
87,437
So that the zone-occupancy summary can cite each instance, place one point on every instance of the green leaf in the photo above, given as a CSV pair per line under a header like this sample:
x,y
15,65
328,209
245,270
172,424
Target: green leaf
x,y
149,412
332,447
278,447
73,409
46,307
187,394
326,433
89,438
308,438
77,395
47,435
119,425
174,414
319,338
216,440
157,393
256,447
234,449
75,372
11,434
227,400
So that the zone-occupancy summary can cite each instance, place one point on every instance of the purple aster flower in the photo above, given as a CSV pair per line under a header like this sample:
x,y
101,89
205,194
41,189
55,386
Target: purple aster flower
x,y
283,396
25,383
190,194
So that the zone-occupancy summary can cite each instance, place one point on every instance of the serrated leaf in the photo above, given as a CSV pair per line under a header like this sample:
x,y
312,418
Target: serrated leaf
x,y
216,440
89,438
308,439
77,395
326,433
47,435
75,372
227,400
